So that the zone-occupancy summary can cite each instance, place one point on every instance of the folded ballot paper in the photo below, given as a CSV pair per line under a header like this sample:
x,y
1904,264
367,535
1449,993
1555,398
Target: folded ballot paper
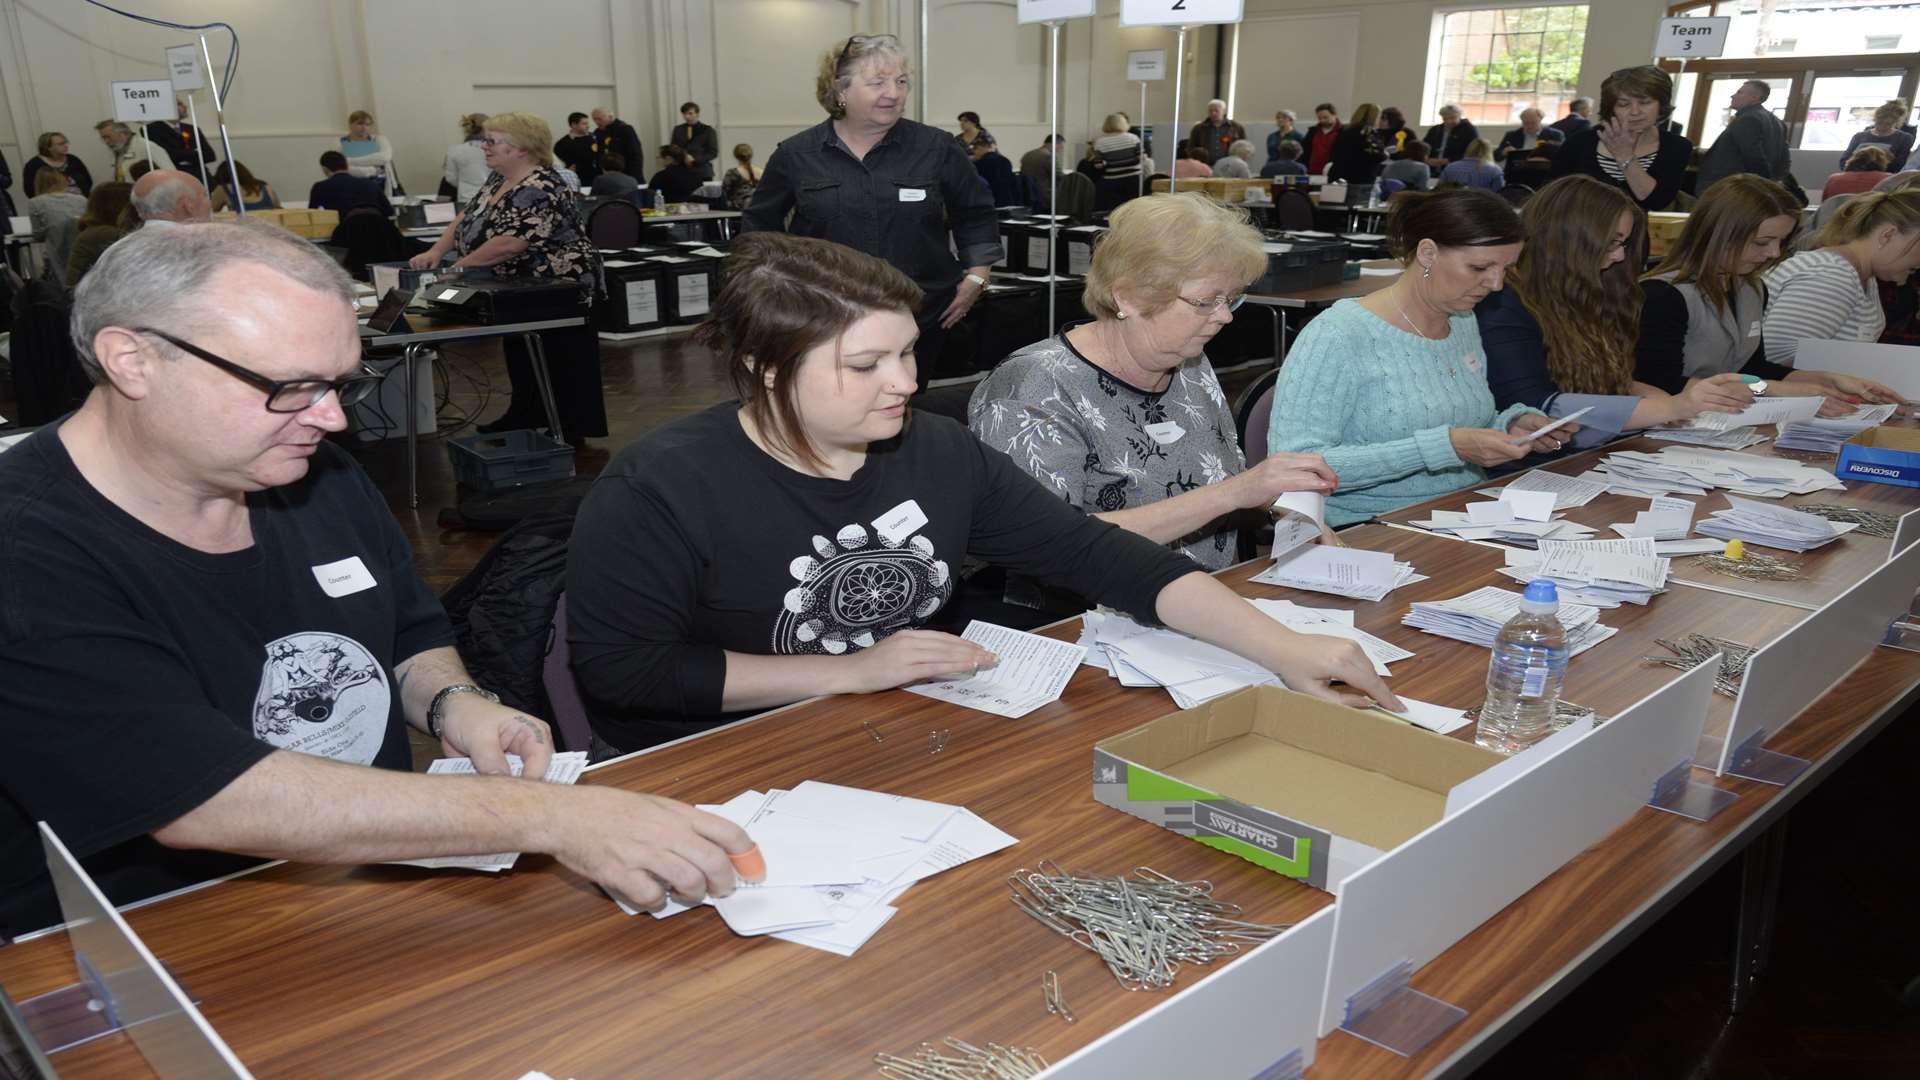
x,y
1778,410
838,858
565,768
1690,471
1340,571
1477,617
1519,515
1568,491
1299,518
1736,439
1825,435
1033,670
1598,573
1772,526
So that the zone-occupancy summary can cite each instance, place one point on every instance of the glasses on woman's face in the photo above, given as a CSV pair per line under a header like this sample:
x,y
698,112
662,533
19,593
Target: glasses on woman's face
x,y
1212,303
283,395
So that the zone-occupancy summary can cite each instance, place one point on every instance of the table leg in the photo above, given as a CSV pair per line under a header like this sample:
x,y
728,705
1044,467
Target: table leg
x,y
410,357
536,351
1760,873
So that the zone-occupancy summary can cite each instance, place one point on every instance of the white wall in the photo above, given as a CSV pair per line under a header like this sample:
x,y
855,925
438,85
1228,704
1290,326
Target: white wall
x,y
419,64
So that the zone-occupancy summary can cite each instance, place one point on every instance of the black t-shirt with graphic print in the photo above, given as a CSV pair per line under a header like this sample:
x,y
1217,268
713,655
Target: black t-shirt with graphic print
x,y
695,542
139,676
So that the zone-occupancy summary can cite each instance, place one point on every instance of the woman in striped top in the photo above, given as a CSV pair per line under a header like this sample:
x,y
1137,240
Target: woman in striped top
x,y
1829,293
1119,149
1631,148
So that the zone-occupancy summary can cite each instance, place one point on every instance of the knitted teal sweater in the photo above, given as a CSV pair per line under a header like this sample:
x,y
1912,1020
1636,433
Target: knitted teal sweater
x,y
1377,402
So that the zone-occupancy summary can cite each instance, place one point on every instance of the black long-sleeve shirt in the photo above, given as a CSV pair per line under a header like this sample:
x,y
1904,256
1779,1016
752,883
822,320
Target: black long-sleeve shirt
x,y
1581,154
898,203
1356,156
1451,144
695,542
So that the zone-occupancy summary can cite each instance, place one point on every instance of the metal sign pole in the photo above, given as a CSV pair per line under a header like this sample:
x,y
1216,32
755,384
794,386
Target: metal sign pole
x,y
1179,71
924,5
1053,166
226,142
199,152
1143,143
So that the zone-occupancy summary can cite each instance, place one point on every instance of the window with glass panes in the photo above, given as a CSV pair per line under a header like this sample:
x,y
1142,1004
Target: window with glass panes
x,y
1494,62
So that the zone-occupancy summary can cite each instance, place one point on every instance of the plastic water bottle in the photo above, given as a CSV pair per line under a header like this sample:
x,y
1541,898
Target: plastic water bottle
x,y
659,202
1524,678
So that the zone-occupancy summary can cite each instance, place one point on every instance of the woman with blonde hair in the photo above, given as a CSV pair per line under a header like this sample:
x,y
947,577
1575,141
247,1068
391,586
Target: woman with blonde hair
x,y
1475,169
1077,409
1886,132
1829,293
1118,149
1560,336
466,165
368,154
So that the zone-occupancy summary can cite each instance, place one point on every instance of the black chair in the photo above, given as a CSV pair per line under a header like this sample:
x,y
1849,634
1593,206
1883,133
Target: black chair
x,y
614,224
1293,210
1516,195
368,236
1250,416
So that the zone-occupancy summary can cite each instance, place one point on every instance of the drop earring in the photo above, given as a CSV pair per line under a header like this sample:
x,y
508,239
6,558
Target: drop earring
x,y
1426,271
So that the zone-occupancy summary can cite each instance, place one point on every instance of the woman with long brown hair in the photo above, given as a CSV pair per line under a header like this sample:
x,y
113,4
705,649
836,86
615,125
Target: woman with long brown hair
x,y
1560,336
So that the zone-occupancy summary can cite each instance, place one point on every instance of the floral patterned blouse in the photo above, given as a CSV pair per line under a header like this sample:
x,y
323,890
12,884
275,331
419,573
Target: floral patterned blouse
x,y
542,211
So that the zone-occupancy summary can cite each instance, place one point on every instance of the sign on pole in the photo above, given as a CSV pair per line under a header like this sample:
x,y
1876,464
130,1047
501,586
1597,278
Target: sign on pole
x,y
1180,12
1147,65
142,101
1033,11
1691,39
183,69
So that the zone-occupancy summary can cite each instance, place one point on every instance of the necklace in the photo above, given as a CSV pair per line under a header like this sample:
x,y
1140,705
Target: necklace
x,y
1393,295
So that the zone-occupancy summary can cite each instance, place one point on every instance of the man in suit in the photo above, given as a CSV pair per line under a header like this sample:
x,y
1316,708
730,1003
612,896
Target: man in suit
x,y
1578,119
615,134
344,192
1755,141
181,141
1448,140
698,139
579,149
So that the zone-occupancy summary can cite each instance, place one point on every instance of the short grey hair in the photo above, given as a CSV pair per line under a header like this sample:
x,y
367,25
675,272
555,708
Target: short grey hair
x,y
118,127
1222,104
1288,113
1536,112
159,278
1241,148
1449,108
1581,105
165,196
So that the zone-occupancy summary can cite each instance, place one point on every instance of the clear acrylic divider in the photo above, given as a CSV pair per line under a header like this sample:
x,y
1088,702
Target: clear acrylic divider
x,y
1291,1067
1751,761
1394,1016
1676,793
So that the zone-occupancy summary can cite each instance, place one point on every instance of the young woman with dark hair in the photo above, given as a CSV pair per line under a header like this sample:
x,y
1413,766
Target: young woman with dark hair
x,y
794,543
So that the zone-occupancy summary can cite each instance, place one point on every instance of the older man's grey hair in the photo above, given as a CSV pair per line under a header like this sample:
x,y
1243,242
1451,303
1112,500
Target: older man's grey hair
x,y
165,196
1240,148
1449,109
159,278
115,126
1288,113
1581,105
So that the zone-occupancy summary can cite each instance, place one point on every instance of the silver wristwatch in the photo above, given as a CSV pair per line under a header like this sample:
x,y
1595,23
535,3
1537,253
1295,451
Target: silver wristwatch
x,y
439,702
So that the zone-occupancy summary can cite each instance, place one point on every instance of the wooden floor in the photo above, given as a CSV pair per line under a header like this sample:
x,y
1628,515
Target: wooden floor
x,y
1836,1002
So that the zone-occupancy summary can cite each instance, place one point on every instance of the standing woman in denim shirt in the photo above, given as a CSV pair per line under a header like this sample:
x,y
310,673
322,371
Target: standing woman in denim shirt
x,y
879,183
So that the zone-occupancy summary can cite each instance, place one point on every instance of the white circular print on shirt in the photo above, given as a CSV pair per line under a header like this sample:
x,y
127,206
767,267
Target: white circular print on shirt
x,y
322,694
857,589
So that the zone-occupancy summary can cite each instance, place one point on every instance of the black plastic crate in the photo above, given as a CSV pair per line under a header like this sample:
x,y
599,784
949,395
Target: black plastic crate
x,y
508,459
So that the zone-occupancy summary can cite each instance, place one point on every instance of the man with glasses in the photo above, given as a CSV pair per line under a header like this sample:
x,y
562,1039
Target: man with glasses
x,y
210,624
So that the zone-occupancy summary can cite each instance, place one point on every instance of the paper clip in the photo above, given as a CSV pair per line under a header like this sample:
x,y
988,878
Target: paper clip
x,y
873,731
1057,1005
937,740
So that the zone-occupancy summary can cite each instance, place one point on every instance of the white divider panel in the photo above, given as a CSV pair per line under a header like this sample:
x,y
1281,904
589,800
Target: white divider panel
x,y
1897,366
1905,533
1436,888
1793,670
1236,1022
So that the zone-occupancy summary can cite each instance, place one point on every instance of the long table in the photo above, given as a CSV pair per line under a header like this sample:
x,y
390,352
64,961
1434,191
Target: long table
x,y
310,970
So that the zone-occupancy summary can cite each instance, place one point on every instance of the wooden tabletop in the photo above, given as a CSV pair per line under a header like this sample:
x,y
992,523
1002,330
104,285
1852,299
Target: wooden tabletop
x,y
1324,295
382,971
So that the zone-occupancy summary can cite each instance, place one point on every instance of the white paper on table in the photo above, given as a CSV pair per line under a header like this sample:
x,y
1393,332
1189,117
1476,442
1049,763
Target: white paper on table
x,y
1762,411
1432,717
1499,512
1571,491
1529,505
1032,672
842,938
1555,426
800,852
764,911
965,837
1703,546
1340,570
1334,623
915,819
1637,545
1596,567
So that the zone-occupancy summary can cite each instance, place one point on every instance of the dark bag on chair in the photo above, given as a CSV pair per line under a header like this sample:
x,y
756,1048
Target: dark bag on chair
x,y
502,611
47,380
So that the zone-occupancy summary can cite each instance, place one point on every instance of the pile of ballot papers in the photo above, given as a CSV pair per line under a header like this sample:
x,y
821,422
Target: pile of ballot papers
x,y
1339,571
1477,617
1598,573
1772,526
1737,439
838,858
1689,471
1568,491
1519,515
1775,410
1824,436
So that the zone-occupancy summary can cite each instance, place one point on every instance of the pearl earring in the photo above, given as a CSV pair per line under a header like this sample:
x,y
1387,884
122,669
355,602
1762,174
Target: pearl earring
x,y
1119,314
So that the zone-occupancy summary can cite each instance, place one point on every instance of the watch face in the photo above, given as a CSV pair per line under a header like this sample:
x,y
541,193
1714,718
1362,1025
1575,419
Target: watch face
x,y
1758,388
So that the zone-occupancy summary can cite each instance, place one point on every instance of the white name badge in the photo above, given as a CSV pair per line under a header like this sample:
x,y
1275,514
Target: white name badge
x,y
913,194
901,522
1754,330
344,578
1166,433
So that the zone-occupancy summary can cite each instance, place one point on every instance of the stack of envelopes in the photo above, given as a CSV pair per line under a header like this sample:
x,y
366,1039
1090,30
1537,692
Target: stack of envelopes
x,y
1476,618
1772,526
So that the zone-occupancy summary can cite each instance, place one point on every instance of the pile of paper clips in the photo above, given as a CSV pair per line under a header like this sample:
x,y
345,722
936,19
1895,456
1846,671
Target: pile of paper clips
x,y
996,1062
1693,650
1871,522
1144,926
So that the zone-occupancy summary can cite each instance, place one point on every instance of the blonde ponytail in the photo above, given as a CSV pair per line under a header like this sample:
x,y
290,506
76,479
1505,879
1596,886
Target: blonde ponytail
x,y
1866,214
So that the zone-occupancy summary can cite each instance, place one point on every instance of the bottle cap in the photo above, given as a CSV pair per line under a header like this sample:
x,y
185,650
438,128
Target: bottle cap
x,y
1541,591
1736,550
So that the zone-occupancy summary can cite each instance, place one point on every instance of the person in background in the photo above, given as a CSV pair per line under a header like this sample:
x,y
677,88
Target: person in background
x,y
55,212
1754,140
879,183
1901,302
685,611
578,149
1391,389
1703,307
1216,134
1238,162
6,188
344,192
1036,168
465,168
127,147
1119,150
971,133
1865,168
1074,410
1192,164
165,198
615,136
52,153
738,185
996,171
1411,168
180,142
1828,293
524,224
1286,161
699,140
369,155
1319,139
1560,336
98,228
1447,141
1886,131
1523,139
1357,152
1475,169
614,182
255,193
1578,118
677,179
1394,132
1631,148
1286,130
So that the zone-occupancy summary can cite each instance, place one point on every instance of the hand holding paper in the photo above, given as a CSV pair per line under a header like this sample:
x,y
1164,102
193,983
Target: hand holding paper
x,y
1563,422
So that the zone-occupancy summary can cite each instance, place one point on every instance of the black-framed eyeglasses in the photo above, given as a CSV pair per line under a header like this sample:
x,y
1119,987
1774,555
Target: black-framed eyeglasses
x,y
1212,303
283,395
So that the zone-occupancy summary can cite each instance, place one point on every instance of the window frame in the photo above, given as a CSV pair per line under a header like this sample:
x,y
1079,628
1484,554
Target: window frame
x,y
1430,99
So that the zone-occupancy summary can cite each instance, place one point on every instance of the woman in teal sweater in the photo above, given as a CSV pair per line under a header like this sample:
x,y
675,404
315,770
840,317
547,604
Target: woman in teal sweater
x,y
1392,389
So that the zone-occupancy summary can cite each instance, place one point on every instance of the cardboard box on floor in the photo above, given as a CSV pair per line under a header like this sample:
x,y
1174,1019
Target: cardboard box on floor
x,y
1300,786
